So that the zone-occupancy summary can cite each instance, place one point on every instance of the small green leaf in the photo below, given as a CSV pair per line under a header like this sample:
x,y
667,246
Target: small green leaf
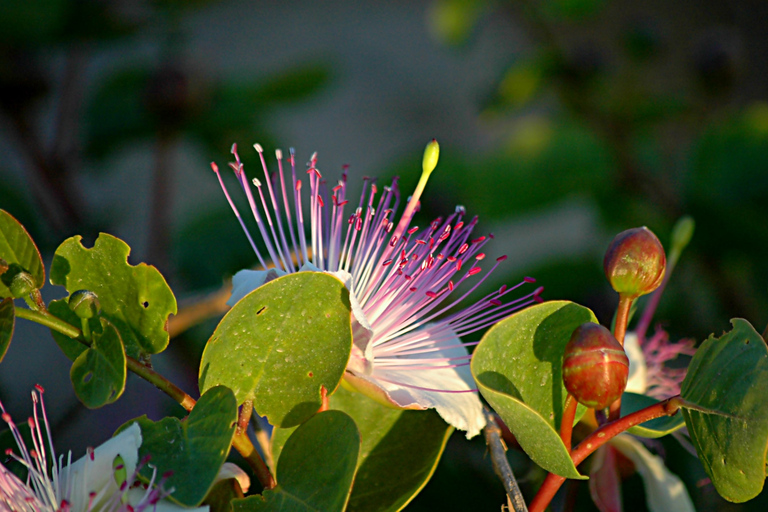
x,y
7,321
726,383
404,445
71,347
315,469
135,299
281,343
16,246
518,369
660,427
193,449
98,373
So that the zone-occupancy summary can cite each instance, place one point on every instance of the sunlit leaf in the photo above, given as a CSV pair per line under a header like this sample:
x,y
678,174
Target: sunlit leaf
x,y
98,374
135,299
7,321
518,368
16,246
280,344
315,469
726,383
194,448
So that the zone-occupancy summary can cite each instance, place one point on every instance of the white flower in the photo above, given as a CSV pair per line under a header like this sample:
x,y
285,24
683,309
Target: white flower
x,y
406,352
102,481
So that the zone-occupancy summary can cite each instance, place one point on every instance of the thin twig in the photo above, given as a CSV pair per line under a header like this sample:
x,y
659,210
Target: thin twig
x,y
498,452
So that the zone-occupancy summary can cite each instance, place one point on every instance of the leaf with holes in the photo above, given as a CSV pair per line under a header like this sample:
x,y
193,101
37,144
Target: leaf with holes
x,y
727,418
135,299
17,247
193,449
280,344
518,368
315,469
7,321
98,373
404,445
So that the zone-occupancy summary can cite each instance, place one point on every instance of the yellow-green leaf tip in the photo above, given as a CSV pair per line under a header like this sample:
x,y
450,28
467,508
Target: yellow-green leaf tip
x,y
431,154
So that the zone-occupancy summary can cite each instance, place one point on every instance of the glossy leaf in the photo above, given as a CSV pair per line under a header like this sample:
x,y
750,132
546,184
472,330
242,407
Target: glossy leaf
x,y
280,344
518,368
726,384
660,427
135,299
98,373
315,469
16,246
404,445
193,448
7,321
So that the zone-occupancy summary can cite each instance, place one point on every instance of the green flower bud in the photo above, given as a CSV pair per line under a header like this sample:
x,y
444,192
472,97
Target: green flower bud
x,y
84,303
21,284
635,262
595,366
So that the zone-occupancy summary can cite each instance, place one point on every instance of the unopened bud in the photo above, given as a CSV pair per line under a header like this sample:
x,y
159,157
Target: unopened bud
x,y
595,366
635,262
21,284
84,303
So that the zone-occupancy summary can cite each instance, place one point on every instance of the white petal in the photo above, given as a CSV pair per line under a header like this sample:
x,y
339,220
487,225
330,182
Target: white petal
x,y
362,333
245,281
229,470
664,491
463,410
636,383
85,476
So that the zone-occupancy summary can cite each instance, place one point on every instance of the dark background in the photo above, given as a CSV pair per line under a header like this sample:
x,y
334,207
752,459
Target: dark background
x,y
561,123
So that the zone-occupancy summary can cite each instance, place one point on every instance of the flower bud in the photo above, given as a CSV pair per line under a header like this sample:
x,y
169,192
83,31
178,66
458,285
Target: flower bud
x,y
84,303
595,366
21,284
635,262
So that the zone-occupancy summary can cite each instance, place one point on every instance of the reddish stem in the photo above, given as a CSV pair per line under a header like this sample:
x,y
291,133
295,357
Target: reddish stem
x,y
597,439
566,424
324,399
619,330
245,416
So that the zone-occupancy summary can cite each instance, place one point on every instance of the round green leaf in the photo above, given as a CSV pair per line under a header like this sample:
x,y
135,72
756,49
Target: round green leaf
x,y
404,445
518,369
315,470
660,427
135,299
98,373
281,343
726,386
70,346
7,321
16,246
194,448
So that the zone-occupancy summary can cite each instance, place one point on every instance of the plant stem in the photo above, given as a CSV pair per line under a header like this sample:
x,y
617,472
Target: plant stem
x,y
597,439
245,416
50,321
498,450
161,383
243,444
619,331
566,423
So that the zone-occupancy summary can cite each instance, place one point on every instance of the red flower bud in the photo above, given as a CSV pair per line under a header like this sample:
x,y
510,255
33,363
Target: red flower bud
x,y
595,366
635,262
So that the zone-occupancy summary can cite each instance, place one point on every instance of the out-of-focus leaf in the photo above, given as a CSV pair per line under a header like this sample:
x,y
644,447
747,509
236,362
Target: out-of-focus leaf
x,y
98,373
728,421
518,369
135,299
7,321
453,21
404,445
16,246
194,448
280,344
315,469
572,10
31,22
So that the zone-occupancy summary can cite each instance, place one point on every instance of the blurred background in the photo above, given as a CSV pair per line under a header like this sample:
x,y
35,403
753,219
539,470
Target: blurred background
x,y
561,123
